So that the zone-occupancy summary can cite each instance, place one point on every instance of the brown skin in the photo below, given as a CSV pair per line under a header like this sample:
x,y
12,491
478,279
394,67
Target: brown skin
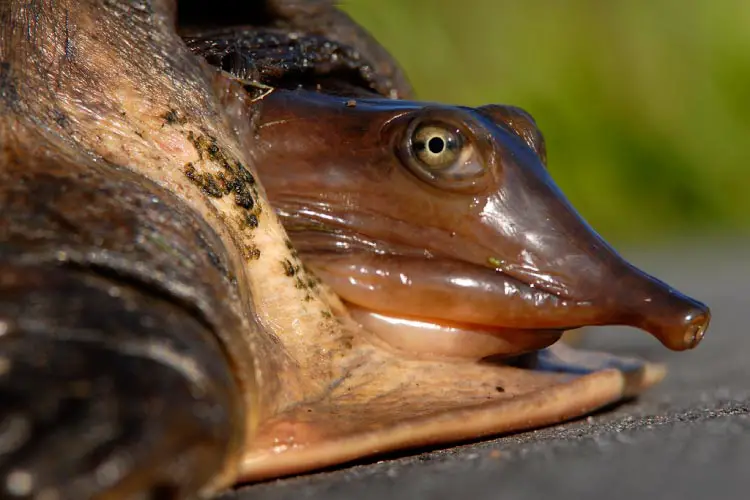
x,y
474,236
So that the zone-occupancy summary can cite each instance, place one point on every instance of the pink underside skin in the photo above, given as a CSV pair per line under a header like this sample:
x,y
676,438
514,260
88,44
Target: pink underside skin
x,y
422,338
448,308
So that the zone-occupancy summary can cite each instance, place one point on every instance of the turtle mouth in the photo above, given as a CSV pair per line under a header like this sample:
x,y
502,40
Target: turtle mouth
x,y
430,338
448,308
451,308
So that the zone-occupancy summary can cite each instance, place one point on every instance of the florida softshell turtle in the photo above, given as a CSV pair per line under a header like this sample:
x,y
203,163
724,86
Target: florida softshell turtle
x,y
162,335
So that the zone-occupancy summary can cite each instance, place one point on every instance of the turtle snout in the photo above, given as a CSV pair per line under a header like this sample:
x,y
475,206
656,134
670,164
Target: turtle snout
x,y
679,329
676,320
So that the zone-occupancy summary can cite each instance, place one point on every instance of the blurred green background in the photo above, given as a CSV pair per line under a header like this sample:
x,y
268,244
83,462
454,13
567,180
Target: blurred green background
x,y
645,104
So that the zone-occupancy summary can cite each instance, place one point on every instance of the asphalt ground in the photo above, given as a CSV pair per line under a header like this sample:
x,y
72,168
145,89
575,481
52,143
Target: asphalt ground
x,y
688,438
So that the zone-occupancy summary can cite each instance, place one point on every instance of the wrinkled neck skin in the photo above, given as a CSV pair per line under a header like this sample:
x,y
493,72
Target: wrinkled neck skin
x,y
477,256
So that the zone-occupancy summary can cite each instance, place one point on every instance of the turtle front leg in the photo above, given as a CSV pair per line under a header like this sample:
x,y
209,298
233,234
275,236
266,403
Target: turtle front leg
x,y
107,390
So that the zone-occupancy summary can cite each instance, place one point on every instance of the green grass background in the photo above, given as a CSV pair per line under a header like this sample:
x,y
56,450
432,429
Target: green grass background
x,y
645,104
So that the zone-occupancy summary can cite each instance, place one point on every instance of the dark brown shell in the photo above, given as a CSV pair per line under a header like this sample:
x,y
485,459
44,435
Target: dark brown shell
x,y
288,44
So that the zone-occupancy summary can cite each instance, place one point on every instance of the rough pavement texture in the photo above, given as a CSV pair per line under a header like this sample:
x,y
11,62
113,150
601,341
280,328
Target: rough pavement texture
x,y
688,438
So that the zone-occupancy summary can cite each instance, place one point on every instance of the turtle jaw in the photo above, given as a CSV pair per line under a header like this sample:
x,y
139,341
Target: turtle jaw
x,y
453,309
427,338
445,308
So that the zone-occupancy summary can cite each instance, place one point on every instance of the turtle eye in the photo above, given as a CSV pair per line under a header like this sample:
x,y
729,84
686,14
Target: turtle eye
x,y
443,155
436,147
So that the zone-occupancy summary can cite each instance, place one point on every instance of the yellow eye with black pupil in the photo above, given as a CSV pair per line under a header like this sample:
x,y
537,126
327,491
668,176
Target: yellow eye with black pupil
x,y
444,149
436,147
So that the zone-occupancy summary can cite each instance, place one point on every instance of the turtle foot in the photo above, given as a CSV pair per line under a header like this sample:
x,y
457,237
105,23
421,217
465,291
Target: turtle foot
x,y
563,358
384,403
95,400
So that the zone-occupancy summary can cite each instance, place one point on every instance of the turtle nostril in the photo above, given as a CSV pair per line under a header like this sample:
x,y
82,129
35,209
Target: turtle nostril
x,y
679,330
678,321
696,327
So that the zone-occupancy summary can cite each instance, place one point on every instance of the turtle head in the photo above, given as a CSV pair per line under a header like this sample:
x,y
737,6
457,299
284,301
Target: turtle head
x,y
443,230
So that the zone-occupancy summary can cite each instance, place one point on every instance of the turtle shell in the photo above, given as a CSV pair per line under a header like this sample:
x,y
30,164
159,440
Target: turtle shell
x,y
292,44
